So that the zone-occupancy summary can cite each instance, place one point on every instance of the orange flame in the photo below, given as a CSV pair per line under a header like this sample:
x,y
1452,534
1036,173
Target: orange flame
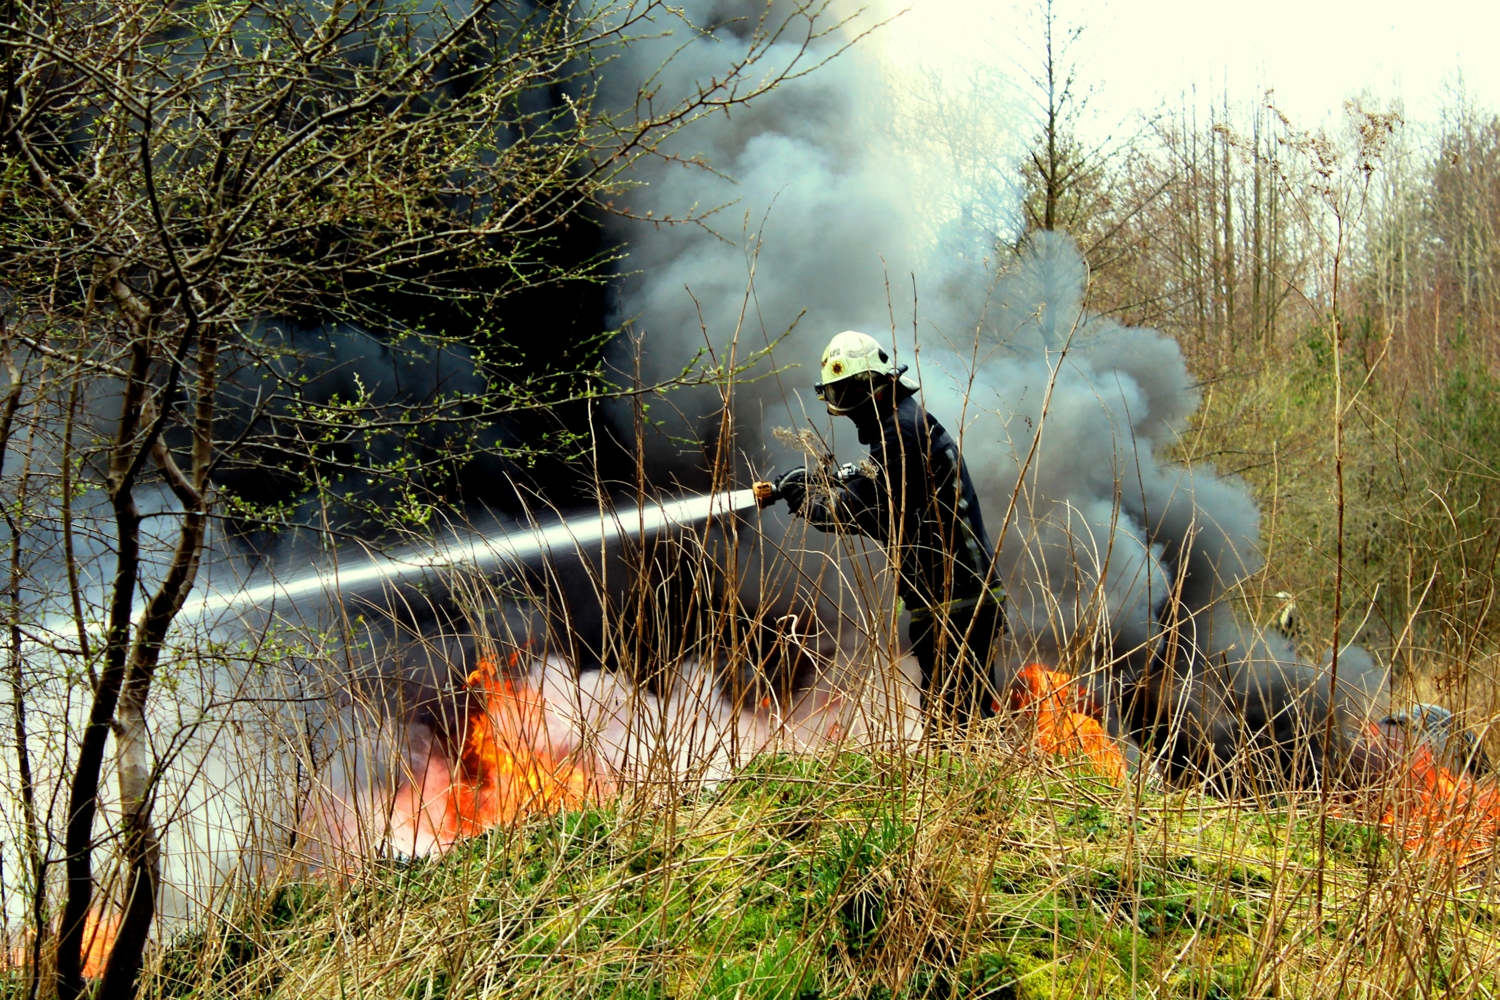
x,y
1431,809
98,938
1066,722
507,769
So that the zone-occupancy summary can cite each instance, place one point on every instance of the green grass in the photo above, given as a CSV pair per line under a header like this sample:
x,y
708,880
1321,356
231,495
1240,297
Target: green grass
x,y
968,875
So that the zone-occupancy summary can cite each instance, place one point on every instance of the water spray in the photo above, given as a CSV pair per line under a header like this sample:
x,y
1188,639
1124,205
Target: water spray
x,y
486,552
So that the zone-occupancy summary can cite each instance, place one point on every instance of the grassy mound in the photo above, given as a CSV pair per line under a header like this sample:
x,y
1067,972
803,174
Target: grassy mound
x,y
972,875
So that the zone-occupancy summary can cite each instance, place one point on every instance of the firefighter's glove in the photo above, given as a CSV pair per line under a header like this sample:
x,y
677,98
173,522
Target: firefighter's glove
x,y
792,486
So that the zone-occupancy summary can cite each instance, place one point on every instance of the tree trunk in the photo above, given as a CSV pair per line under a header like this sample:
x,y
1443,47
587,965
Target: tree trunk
x,y
141,846
1052,181
1231,275
1257,239
32,833
137,781
83,795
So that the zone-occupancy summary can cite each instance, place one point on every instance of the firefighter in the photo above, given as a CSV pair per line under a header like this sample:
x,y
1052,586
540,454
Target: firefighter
x,y
914,496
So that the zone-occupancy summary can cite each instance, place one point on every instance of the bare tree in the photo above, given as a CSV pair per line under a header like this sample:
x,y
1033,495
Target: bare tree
x,y
1062,170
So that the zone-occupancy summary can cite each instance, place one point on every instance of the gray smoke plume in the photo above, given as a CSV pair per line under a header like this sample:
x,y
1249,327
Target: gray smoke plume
x,y
824,221
1117,560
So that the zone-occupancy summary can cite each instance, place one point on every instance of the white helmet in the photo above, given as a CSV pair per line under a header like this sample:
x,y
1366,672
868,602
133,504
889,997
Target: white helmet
x,y
852,353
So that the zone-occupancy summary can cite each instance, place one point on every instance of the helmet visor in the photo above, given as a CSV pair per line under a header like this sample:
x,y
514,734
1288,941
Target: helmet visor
x,y
845,395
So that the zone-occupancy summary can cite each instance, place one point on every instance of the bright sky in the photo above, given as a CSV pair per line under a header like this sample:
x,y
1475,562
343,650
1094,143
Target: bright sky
x,y
1315,53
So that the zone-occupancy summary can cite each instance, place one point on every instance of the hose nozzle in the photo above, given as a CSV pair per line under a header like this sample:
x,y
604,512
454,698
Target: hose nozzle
x,y
766,493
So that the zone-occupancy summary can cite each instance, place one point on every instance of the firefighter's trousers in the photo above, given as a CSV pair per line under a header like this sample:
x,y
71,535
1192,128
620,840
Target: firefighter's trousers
x,y
953,647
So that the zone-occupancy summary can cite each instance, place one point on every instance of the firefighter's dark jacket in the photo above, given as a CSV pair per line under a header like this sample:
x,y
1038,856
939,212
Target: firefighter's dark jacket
x,y
920,490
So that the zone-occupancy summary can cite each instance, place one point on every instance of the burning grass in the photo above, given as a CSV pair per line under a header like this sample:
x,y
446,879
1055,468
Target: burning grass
x,y
980,873
506,769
